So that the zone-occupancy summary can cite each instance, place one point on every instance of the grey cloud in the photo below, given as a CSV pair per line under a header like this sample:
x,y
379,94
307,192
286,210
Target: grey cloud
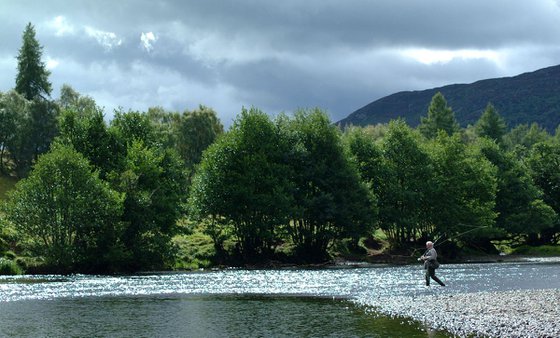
x,y
278,55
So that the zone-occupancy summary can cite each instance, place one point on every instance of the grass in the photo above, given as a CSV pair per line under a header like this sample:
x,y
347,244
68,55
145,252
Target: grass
x,y
196,251
544,250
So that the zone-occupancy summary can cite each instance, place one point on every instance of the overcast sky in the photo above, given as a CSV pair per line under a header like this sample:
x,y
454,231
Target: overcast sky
x,y
276,55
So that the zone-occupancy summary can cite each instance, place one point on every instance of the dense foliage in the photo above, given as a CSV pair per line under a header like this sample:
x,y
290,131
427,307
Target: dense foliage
x,y
331,202
66,214
268,183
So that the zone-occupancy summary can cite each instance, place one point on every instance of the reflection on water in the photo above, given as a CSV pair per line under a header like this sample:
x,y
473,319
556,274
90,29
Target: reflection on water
x,y
304,303
197,316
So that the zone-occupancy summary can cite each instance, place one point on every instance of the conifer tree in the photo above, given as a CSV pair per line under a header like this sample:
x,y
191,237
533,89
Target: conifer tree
x,y
32,79
36,129
491,124
440,117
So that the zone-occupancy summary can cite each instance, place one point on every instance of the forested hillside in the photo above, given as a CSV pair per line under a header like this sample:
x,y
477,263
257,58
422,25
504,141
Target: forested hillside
x,y
523,99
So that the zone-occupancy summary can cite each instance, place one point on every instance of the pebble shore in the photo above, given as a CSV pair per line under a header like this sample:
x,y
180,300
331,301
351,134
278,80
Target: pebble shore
x,y
521,313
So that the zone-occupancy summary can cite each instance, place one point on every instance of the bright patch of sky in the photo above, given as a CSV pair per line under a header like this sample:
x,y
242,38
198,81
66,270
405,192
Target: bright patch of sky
x,y
61,26
108,40
434,56
147,40
52,63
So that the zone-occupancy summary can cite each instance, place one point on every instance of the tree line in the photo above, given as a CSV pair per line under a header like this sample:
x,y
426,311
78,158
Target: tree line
x,y
97,196
93,196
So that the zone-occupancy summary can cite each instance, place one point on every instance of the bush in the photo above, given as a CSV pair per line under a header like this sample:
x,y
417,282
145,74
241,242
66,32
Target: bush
x,y
65,201
9,267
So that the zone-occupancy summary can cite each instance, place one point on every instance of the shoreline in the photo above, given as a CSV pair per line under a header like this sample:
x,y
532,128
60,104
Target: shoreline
x,y
517,313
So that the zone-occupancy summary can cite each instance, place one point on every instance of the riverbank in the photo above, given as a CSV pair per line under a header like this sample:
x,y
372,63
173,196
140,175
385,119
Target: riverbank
x,y
519,313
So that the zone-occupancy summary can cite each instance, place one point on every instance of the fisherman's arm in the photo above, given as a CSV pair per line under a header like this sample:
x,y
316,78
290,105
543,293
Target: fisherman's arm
x,y
430,255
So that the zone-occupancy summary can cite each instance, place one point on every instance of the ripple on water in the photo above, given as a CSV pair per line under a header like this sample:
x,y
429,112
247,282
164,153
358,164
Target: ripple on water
x,y
365,284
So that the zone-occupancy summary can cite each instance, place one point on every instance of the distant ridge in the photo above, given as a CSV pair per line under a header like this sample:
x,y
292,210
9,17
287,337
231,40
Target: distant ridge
x,y
526,98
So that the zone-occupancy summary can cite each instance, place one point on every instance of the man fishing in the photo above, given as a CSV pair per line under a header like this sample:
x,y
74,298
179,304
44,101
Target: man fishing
x,y
430,263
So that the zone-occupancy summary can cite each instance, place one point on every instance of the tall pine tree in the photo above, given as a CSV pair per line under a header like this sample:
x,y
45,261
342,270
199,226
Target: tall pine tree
x,y
37,128
440,117
491,124
32,80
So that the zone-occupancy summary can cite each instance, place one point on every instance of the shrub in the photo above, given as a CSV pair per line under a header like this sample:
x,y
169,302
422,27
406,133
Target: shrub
x,y
9,267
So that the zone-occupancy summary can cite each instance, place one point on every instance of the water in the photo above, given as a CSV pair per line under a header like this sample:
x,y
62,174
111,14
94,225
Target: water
x,y
196,316
243,303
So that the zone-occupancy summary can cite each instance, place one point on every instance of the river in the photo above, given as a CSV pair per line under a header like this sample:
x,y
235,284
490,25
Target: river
x,y
330,302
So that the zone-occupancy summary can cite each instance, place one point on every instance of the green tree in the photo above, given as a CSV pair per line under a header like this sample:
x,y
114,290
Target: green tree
x,y
440,117
129,127
70,99
522,138
210,199
331,200
154,186
519,207
154,182
463,191
82,125
544,161
196,131
242,186
165,125
491,124
43,125
366,154
14,110
17,132
125,129
32,79
69,215
403,186
32,82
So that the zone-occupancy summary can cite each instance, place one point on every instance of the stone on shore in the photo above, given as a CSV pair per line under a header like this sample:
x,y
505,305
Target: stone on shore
x,y
520,313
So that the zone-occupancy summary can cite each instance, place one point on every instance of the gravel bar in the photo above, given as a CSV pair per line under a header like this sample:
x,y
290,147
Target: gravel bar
x,y
520,313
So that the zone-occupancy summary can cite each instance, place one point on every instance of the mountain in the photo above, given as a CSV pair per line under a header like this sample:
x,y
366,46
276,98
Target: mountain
x,y
526,98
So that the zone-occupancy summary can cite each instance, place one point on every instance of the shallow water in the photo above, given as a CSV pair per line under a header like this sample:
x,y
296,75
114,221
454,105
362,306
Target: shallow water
x,y
241,303
197,316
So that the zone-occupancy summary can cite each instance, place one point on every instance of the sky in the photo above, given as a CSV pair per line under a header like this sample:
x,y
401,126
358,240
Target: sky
x,y
277,56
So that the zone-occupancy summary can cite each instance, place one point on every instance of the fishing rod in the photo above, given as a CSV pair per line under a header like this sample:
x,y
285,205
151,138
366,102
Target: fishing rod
x,y
461,234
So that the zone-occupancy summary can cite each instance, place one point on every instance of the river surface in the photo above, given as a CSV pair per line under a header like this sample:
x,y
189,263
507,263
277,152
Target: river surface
x,y
333,302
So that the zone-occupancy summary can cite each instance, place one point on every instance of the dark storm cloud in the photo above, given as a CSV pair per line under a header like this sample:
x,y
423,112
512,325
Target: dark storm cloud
x,y
277,55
